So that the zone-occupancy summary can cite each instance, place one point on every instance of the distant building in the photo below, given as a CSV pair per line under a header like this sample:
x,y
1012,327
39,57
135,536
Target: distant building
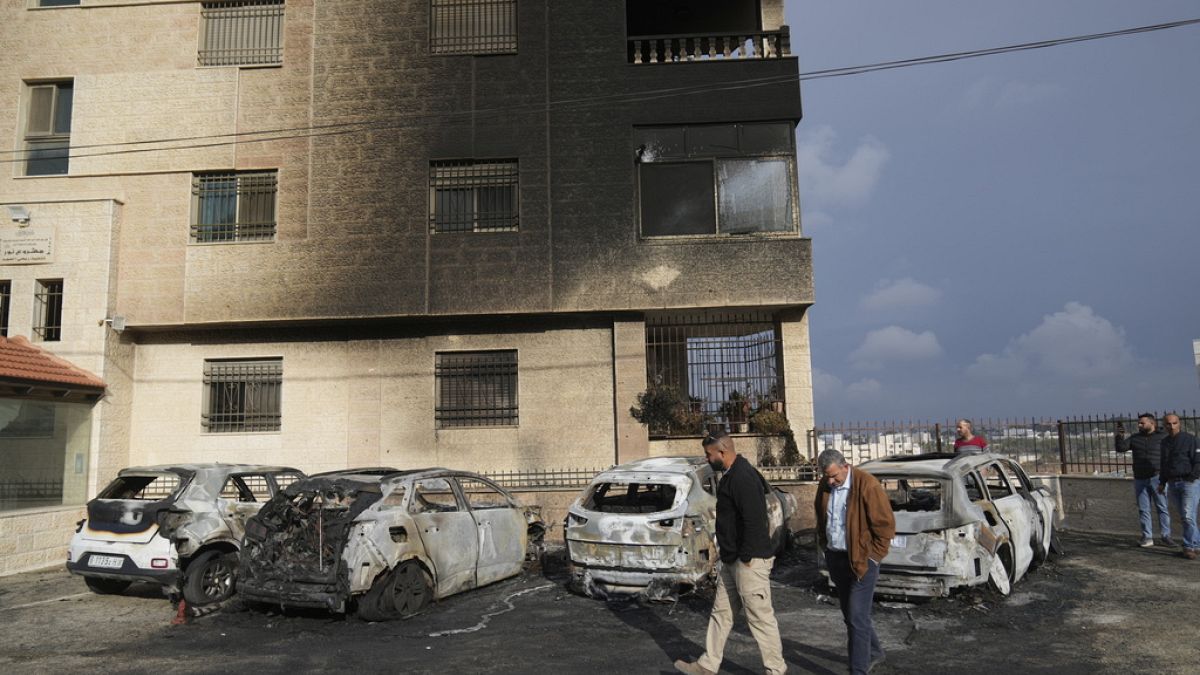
x,y
323,233
1196,354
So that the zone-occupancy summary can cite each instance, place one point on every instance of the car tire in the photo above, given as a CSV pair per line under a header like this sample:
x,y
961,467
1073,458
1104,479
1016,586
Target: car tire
x,y
398,594
106,586
210,578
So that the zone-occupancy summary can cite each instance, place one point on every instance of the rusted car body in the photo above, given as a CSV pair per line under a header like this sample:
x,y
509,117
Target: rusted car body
x,y
385,542
648,528
179,526
961,520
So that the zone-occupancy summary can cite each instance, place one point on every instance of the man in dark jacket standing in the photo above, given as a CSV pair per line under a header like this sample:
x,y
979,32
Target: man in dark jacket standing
x,y
744,540
1181,472
1146,445
855,525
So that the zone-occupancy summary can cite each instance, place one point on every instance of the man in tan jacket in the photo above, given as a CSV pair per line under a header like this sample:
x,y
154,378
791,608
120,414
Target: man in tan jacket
x,y
855,526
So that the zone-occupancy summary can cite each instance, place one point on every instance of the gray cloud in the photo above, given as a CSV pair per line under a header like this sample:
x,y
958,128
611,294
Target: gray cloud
x,y
826,183
900,294
894,343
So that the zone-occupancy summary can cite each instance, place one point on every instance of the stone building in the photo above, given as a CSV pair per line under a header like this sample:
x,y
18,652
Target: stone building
x,y
464,233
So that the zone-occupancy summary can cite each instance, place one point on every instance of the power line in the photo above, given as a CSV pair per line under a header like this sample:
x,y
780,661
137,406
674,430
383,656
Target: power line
x,y
403,120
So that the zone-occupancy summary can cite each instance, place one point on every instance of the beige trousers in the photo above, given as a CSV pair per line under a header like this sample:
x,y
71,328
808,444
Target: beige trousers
x,y
744,586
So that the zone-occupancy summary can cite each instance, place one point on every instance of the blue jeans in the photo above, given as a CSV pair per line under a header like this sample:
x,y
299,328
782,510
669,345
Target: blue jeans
x,y
1186,494
855,597
1146,490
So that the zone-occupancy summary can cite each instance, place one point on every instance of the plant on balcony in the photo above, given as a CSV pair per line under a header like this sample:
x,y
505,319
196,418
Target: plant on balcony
x,y
666,412
771,423
736,411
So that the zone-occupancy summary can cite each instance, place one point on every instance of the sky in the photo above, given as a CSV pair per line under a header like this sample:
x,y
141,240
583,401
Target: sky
x,y
1009,236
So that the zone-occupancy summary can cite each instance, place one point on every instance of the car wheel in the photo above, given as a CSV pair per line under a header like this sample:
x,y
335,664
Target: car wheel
x,y
105,586
998,574
210,578
401,593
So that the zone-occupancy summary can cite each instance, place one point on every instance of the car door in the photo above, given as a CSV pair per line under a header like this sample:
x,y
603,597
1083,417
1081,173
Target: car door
x,y
1016,513
448,534
242,495
501,527
1041,503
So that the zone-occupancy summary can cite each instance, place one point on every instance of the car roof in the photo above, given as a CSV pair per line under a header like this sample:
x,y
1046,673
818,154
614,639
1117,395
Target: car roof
x,y
383,474
654,465
931,464
206,467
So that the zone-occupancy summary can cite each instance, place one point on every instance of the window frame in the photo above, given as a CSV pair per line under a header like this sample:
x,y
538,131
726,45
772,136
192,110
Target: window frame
x,y
48,310
474,175
244,186
239,371
449,410
51,139
5,305
470,44
687,154
227,56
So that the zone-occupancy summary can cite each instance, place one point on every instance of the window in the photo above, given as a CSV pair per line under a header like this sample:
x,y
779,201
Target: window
x,y
246,488
997,484
713,368
630,498
476,389
481,495
48,128
149,487
470,196
242,395
233,206
241,33
473,26
47,309
716,179
433,495
57,3
5,293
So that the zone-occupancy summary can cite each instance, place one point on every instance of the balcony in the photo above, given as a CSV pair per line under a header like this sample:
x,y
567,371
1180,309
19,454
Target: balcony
x,y
767,44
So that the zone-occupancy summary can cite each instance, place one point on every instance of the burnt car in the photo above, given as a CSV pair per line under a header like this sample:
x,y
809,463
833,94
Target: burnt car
x,y
384,542
179,526
961,520
648,528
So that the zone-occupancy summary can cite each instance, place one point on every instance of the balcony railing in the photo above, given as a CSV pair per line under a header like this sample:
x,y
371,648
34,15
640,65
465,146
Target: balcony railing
x,y
770,44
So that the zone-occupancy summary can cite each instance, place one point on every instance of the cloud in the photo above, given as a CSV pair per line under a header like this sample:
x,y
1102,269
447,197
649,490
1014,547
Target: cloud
x,y
825,183
866,388
894,343
1075,343
900,294
827,386
1013,95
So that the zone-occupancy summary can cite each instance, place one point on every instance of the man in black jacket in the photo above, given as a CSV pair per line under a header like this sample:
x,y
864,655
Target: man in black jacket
x,y
744,540
1181,471
1146,445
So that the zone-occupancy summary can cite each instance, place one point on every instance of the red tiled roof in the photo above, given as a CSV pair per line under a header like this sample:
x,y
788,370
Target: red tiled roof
x,y
20,360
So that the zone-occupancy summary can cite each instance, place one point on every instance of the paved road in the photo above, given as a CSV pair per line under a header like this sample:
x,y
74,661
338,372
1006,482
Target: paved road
x,y
1107,606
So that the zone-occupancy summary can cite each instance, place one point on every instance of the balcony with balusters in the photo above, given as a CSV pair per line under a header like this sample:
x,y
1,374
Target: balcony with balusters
x,y
684,48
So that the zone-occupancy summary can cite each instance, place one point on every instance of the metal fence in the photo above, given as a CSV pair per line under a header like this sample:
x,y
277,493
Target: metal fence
x,y
545,478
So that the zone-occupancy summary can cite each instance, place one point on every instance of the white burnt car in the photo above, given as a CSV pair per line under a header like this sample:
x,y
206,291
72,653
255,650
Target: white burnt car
x,y
648,528
961,520
179,526
385,542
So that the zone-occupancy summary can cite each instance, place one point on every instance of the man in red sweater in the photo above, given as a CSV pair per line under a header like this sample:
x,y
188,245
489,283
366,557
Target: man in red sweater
x,y
967,441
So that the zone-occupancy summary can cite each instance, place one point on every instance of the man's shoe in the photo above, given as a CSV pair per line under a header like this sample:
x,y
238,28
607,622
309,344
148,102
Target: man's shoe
x,y
1146,543
1169,542
1190,553
876,661
692,668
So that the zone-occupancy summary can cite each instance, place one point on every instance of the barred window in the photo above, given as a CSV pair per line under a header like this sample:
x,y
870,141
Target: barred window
x,y
242,395
473,196
48,128
476,389
47,310
724,367
241,33
473,27
5,293
233,206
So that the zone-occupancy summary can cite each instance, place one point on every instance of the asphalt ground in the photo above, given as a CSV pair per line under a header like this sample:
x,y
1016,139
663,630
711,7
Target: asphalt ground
x,y
1106,606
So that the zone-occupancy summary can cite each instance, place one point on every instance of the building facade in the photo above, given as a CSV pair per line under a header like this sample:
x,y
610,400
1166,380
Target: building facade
x,y
407,233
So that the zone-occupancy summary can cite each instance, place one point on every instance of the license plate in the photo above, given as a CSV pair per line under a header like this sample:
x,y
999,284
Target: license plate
x,y
899,541
108,562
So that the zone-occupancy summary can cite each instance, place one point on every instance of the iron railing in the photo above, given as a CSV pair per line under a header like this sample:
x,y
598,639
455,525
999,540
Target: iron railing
x,y
545,478
473,26
476,389
241,33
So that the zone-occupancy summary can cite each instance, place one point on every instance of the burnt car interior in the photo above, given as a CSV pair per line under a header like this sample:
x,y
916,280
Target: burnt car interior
x,y
914,494
631,498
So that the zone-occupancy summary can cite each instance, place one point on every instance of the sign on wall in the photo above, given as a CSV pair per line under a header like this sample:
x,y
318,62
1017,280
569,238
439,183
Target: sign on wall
x,y
27,245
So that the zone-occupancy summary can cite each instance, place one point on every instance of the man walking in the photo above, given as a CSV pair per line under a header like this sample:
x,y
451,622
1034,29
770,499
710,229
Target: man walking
x,y
965,439
1146,445
744,540
1181,472
855,525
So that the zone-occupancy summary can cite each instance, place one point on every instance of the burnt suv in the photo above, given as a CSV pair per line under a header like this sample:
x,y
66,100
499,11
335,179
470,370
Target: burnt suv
x,y
179,526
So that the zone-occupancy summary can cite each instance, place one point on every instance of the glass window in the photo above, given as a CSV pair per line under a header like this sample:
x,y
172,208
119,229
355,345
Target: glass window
x,y
476,389
712,140
241,33
677,199
754,196
233,206
57,3
5,293
658,143
242,395
44,447
48,128
47,307
768,139
433,495
473,196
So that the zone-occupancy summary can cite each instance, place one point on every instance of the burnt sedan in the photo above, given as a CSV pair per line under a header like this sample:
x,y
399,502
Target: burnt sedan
x,y
648,528
961,520
385,542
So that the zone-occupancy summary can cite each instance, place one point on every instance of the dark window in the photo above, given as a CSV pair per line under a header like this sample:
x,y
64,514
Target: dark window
x,y
241,33
630,498
716,179
473,26
48,128
233,206
57,3
242,395
721,368
473,196
476,389
47,308
5,294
